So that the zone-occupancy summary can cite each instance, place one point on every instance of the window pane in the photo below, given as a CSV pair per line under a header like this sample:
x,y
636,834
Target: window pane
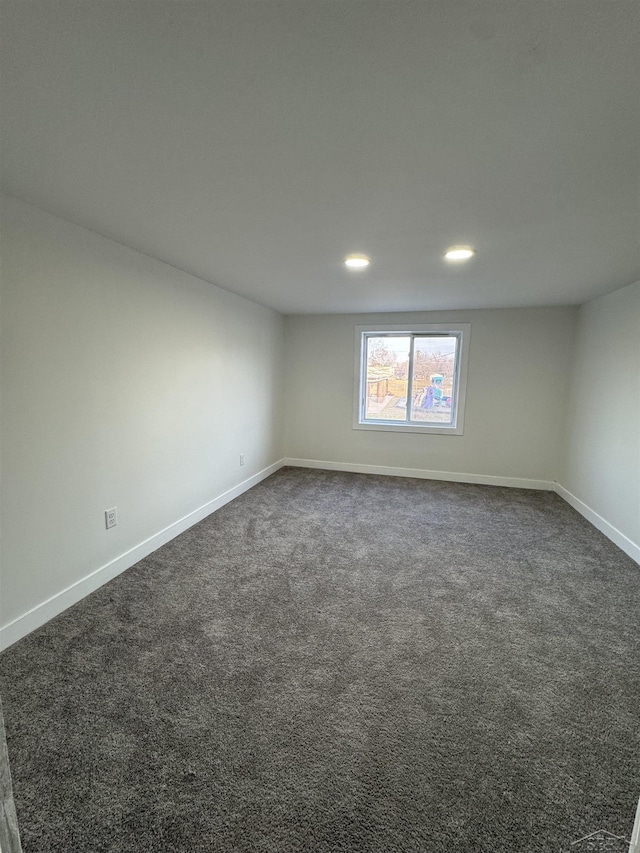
x,y
387,372
433,376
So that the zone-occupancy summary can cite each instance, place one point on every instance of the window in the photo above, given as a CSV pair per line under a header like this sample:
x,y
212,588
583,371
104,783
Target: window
x,y
411,380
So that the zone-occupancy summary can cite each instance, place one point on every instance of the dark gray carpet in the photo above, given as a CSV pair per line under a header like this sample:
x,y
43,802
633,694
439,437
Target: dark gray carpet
x,y
340,662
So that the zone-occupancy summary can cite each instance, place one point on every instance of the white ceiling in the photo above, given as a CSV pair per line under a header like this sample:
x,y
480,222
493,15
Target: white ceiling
x,y
254,144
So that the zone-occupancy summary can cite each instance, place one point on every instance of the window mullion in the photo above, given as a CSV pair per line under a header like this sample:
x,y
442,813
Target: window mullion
x,y
410,381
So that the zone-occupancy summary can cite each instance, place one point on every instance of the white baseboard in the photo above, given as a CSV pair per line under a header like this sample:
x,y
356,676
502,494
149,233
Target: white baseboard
x,y
617,537
41,613
423,474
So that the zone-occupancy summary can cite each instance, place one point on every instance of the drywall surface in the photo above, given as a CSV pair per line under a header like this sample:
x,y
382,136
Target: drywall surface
x,y
124,383
517,386
601,462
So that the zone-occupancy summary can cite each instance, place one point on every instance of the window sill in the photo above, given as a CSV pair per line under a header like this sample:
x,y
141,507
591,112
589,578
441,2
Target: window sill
x,y
414,428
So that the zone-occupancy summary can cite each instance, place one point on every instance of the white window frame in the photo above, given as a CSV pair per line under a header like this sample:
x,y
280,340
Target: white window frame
x,y
460,330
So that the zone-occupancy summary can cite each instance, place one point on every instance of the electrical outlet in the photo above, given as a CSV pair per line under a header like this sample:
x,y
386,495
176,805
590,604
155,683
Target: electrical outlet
x,y
241,459
111,517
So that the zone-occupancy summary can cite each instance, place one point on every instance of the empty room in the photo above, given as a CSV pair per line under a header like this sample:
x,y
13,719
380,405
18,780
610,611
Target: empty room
x,y
320,426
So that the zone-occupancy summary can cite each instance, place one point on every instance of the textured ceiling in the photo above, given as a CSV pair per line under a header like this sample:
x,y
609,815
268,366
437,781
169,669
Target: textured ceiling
x,y
254,144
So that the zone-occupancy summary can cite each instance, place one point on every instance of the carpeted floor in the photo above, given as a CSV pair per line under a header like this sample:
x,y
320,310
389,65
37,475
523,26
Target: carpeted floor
x,y
340,662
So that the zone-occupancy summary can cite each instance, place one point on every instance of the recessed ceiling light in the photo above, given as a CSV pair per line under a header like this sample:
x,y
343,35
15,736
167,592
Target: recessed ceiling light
x,y
357,262
459,253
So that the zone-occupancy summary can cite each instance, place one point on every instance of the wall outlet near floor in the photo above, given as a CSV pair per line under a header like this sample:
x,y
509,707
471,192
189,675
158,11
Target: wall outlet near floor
x,y
241,459
111,517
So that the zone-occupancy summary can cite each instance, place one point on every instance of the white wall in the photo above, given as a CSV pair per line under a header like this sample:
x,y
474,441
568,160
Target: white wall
x,y
601,460
124,382
517,387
